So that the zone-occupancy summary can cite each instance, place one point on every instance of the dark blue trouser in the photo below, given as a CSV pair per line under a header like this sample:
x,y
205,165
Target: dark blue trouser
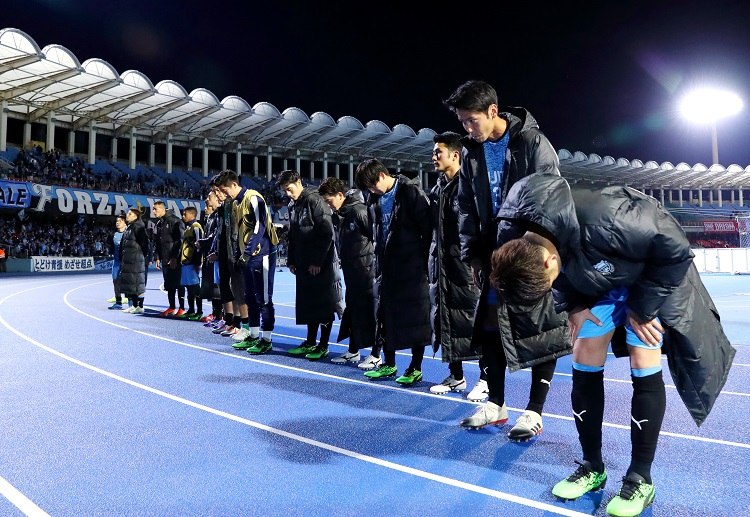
x,y
259,274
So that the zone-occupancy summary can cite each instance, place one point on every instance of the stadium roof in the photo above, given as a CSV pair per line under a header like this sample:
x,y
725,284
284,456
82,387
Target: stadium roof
x,y
39,83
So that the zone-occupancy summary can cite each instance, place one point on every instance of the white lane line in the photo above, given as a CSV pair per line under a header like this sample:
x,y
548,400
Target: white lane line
x,y
497,494
20,501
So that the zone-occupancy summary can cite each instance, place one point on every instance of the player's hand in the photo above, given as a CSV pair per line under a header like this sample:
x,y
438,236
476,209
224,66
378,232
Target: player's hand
x,y
313,270
577,317
649,332
158,264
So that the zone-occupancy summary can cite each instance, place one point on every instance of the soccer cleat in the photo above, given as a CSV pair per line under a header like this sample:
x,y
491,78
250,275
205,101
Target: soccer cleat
x,y
410,377
381,372
580,482
213,325
241,334
115,307
448,384
347,357
129,309
167,312
246,343
137,310
207,320
220,327
229,330
304,348
319,352
195,317
479,392
487,414
370,363
178,313
261,347
114,299
634,496
186,315
528,425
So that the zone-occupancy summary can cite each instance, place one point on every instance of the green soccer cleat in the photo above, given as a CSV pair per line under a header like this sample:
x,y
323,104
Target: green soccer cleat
x,y
410,376
634,496
318,352
261,347
382,372
304,348
196,316
580,482
246,343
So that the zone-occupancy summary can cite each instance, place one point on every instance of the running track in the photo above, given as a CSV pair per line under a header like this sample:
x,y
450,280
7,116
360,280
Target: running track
x,y
106,413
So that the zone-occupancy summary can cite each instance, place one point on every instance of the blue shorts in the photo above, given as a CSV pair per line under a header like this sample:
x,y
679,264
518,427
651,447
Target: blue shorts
x,y
189,275
611,311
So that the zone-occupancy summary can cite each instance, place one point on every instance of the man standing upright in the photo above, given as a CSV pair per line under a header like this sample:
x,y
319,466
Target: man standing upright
x,y
256,255
453,294
355,246
400,214
169,230
191,260
313,261
502,147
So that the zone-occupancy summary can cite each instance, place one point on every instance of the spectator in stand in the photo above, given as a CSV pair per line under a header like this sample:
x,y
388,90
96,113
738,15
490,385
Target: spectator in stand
x,y
169,230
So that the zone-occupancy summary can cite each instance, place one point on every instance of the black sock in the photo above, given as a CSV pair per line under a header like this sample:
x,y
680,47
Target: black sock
x,y
236,321
325,333
457,370
118,300
228,318
493,357
647,410
245,321
587,398
216,308
139,302
390,357
482,369
417,354
171,296
541,377
312,332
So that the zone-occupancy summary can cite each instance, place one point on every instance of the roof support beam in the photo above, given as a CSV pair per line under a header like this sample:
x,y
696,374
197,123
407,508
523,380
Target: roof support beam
x,y
154,113
87,92
85,117
18,62
38,84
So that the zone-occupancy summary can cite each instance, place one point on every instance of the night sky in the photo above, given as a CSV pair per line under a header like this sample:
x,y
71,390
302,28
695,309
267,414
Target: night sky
x,y
598,78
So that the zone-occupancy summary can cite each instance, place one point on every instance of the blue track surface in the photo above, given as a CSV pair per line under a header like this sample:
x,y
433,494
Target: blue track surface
x,y
106,413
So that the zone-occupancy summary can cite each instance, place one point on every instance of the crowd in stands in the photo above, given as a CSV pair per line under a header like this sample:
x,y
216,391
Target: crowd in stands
x,y
35,237
53,168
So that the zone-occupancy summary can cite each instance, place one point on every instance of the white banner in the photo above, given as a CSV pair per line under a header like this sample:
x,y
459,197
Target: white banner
x,y
56,264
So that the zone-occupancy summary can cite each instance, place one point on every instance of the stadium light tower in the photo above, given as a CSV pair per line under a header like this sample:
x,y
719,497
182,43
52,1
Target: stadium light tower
x,y
707,106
